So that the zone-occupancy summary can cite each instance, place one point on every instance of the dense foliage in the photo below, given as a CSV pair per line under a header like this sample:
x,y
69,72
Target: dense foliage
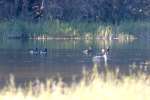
x,y
91,10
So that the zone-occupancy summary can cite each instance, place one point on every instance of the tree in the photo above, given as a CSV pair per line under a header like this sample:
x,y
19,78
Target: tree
x,y
91,10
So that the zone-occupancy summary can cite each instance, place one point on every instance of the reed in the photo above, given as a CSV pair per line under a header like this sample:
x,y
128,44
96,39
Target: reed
x,y
74,28
92,86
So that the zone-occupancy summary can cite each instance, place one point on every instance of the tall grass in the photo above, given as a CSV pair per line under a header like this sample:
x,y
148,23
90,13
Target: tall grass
x,y
73,28
93,86
135,27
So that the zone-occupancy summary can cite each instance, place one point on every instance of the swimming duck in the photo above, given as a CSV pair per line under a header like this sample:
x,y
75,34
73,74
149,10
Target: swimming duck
x,y
104,53
33,51
43,52
87,51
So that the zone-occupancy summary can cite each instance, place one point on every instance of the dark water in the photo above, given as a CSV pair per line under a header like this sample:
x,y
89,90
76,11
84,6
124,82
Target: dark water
x,y
66,59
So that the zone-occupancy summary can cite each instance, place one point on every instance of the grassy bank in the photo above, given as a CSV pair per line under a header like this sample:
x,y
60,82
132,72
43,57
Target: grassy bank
x,y
78,29
93,86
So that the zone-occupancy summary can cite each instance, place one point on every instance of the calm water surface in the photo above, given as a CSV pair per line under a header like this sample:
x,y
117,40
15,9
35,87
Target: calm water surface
x,y
65,58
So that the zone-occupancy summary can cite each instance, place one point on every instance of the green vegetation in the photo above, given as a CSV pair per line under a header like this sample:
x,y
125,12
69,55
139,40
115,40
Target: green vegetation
x,y
92,86
56,28
67,18
135,27
90,10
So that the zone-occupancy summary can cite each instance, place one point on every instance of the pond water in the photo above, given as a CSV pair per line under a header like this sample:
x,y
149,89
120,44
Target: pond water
x,y
65,58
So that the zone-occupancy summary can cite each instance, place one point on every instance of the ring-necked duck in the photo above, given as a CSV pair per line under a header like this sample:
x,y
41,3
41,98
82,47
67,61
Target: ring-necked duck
x,y
43,52
33,51
104,53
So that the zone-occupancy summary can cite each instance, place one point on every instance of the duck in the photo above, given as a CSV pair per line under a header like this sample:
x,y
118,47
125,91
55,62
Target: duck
x,y
104,53
33,51
43,52
87,51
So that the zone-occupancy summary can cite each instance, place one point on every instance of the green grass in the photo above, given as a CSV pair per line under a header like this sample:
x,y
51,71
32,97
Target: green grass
x,y
80,29
135,27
